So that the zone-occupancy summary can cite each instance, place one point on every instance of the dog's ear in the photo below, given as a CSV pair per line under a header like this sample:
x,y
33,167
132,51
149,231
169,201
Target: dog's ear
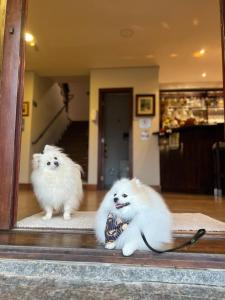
x,y
137,182
48,148
36,160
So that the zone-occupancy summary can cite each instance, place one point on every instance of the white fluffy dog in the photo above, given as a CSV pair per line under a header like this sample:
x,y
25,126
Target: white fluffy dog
x,y
143,209
56,182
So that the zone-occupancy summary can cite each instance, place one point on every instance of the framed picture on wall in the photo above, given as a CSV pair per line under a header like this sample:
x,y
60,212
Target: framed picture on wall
x,y
25,109
145,105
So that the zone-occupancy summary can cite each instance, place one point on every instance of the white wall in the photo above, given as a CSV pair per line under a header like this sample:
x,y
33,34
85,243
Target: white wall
x,y
79,87
46,93
26,133
145,153
47,96
79,105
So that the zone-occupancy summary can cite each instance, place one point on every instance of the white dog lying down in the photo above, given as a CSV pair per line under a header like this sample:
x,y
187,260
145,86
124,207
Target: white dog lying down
x,y
56,182
142,209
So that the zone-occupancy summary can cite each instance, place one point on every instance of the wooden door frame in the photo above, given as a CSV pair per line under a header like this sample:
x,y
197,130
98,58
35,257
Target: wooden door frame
x,y
102,92
222,24
10,134
11,105
11,97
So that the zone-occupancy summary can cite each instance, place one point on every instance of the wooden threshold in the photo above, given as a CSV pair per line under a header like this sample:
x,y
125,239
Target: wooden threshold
x,y
90,187
82,247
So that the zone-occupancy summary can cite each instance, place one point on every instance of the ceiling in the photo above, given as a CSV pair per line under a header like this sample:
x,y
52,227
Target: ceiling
x,y
75,36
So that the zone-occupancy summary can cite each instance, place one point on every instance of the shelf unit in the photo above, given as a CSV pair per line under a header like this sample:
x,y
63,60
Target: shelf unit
x,y
191,107
186,164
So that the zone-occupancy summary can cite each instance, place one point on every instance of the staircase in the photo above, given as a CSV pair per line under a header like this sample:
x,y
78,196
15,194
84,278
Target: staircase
x,y
75,144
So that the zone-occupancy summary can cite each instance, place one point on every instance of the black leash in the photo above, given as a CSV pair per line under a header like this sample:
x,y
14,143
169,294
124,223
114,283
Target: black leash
x,y
192,241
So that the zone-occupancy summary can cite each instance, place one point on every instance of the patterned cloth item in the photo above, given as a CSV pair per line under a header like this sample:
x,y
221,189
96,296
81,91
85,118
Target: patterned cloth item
x,y
114,227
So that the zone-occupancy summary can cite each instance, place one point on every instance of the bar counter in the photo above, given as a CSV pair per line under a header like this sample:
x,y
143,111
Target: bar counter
x,y
186,160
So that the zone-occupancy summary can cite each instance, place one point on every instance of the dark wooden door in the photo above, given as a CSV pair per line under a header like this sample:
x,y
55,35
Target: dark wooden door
x,y
115,135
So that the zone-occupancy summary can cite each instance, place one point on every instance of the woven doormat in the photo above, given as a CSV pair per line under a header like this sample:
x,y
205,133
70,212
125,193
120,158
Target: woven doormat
x,y
86,220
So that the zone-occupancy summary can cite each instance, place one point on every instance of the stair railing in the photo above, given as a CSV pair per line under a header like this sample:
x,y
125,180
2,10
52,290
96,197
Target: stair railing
x,y
49,125
66,99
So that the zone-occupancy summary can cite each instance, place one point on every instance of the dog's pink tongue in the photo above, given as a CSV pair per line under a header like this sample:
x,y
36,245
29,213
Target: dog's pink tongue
x,y
119,205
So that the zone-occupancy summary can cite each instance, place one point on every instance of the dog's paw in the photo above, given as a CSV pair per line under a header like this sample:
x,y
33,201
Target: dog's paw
x,y
128,250
47,217
66,216
110,245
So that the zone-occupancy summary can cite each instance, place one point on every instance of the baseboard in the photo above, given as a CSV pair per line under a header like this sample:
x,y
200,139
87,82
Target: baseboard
x,y
86,186
25,186
157,188
90,187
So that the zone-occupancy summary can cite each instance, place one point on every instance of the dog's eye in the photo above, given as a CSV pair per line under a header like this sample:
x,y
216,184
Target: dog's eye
x,y
55,158
114,195
124,195
48,163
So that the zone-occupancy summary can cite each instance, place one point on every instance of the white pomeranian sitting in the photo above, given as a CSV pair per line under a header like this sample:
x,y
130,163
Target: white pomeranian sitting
x,y
129,208
56,182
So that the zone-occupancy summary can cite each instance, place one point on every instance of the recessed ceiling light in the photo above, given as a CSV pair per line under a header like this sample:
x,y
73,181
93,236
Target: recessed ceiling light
x,y
204,74
202,51
199,53
195,22
173,55
126,32
30,40
29,37
165,25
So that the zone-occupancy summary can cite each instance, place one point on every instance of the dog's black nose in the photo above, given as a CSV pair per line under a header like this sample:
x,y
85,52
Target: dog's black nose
x,y
115,199
56,163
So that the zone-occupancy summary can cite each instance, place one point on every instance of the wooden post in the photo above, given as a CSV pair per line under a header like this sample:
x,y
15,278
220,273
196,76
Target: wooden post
x,y
222,22
11,95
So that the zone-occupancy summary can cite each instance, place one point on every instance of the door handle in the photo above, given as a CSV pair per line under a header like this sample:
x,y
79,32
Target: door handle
x,y
105,151
181,148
